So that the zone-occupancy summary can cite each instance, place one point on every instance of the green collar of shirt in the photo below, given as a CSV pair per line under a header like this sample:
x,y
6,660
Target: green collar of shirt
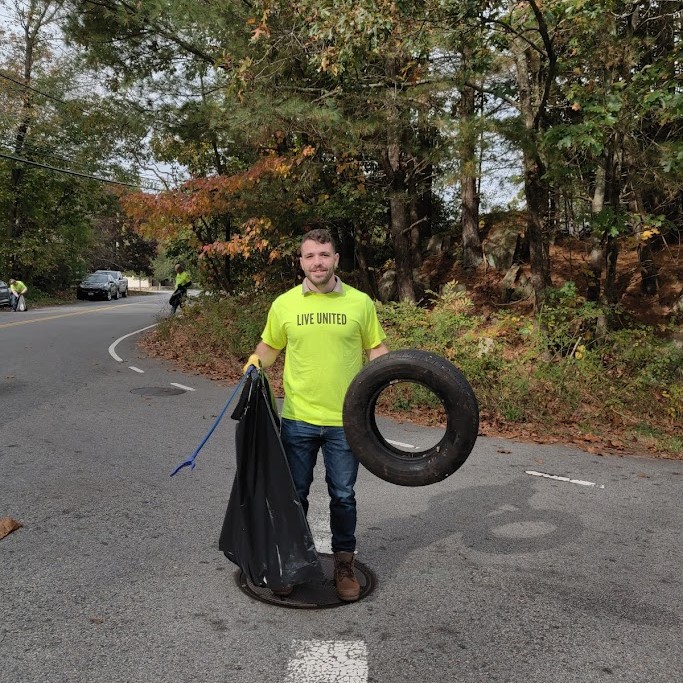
x,y
307,289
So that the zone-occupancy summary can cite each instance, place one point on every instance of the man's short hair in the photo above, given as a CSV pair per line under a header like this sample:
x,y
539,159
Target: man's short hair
x,y
321,236
12,280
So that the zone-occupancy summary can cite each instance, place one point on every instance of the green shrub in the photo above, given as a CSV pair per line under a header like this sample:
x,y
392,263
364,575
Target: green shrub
x,y
406,325
644,357
223,325
567,321
247,317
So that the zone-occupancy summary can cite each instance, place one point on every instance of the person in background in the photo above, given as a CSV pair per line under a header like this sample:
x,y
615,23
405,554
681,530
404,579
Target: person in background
x,y
326,327
17,289
182,284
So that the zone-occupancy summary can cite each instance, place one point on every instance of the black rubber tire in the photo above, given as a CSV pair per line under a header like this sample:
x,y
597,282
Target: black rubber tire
x,y
446,382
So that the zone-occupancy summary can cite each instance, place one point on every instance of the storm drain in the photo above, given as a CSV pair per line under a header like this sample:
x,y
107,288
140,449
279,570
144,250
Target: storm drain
x,y
157,391
315,594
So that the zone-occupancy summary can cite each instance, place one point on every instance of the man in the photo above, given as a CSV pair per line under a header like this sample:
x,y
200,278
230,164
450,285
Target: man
x,y
326,326
16,289
182,284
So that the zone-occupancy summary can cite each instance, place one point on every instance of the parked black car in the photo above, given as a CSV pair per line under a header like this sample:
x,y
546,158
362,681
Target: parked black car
x,y
98,285
121,280
5,299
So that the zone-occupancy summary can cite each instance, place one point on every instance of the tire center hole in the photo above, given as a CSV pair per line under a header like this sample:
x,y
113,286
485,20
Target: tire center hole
x,y
410,417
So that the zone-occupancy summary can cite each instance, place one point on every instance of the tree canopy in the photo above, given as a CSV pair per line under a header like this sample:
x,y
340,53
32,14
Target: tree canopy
x,y
380,119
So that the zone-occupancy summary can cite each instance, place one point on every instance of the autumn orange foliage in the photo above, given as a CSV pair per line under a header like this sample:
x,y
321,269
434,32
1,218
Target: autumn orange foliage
x,y
251,239
164,214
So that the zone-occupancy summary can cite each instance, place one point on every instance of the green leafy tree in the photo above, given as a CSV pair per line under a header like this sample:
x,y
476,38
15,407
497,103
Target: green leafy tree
x,y
281,113
59,150
618,136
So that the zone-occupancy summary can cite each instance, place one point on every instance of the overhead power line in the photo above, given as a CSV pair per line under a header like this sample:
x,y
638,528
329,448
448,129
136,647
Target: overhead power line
x,y
43,151
67,103
40,150
40,92
146,186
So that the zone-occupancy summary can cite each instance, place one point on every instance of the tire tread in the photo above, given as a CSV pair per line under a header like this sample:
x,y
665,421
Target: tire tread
x,y
442,378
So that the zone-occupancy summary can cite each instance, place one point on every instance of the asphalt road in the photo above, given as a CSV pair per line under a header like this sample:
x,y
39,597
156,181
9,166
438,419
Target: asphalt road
x,y
495,574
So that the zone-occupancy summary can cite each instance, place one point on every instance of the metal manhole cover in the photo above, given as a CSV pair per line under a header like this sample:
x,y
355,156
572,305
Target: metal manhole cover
x,y
313,595
157,391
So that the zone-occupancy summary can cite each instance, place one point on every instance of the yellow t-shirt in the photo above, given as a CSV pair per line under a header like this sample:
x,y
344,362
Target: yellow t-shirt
x,y
182,278
18,287
325,336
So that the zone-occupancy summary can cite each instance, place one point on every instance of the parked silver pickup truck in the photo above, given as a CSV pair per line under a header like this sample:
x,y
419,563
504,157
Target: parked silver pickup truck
x,y
120,279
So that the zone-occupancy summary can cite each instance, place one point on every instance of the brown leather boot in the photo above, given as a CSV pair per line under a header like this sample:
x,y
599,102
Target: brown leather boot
x,y
348,588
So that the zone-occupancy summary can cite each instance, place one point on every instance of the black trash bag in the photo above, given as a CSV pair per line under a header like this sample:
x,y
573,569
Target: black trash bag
x,y
265,532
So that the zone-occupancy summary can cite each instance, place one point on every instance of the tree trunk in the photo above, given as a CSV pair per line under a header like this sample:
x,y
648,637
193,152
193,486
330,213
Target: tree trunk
x,y
611,293
367,276
535,189
649,283
420,212
399,233
613,193
18,172
605,250
347,249
648,270
205,235
536,193
415,234
472,253
399,200
226,275
596,259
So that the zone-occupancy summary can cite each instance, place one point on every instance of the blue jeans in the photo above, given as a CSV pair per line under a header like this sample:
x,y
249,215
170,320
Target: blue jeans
x,y
302,441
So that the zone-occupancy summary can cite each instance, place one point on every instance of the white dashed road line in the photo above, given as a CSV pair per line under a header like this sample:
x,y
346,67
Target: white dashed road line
x,y
182,386
567,479
118,359
328,661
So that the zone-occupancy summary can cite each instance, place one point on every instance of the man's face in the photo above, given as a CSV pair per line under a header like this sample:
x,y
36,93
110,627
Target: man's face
x,y
318,262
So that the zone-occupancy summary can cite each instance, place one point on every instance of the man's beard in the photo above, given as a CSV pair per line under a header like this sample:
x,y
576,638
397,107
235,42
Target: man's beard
x,y
316,275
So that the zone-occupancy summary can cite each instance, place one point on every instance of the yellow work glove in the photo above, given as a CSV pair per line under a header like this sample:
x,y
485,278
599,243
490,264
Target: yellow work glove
x,y
253,360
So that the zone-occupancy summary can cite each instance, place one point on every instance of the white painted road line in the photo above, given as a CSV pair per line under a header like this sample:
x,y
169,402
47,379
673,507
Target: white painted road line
x,y
182,386
328,661
402,445
571,481
113,345
134,369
